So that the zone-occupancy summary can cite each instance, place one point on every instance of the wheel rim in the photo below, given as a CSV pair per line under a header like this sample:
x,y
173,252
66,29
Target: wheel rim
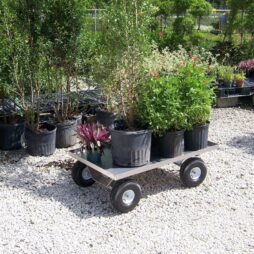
x,y
86,175
195,173
128,197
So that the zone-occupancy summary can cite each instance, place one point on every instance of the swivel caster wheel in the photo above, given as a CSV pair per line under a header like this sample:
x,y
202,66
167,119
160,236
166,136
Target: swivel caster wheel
x,y
125,195
81,175
193,172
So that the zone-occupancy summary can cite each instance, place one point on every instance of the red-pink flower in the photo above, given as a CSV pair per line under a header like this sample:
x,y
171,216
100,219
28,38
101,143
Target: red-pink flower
x,y
91,135
247,65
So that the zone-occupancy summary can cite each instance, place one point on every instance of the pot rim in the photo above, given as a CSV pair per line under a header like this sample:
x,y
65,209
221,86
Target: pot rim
x,y
66,123
131,132
42,133
200,126
105,111
174,132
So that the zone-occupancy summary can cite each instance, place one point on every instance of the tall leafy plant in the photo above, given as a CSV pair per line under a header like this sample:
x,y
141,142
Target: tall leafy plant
x,y
197,94
125,25
62,33
21,24
160,105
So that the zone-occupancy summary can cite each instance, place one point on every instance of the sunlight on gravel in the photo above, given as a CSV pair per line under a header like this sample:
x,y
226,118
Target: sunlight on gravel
x,y
43,211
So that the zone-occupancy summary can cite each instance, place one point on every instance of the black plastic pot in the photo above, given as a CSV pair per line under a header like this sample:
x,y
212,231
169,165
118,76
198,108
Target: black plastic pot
x,y
131,148
106,118
10,135
41,144
171,144
66,135
227,84
197,138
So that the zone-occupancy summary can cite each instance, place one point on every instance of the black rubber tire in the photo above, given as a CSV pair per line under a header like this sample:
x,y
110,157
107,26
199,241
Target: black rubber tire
x,y
76,173
186,168
117,192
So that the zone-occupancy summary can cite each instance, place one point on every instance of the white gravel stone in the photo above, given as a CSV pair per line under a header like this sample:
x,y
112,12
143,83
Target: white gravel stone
x,y
43,211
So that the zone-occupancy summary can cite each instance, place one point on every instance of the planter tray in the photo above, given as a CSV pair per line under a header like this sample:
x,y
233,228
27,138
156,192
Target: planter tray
x,y
107,170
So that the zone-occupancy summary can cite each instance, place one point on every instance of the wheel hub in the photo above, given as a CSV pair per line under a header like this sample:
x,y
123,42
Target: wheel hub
x,y
128,197
86,175
195,173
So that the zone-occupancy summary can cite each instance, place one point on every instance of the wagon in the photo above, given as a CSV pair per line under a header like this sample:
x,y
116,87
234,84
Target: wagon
x,y
125,192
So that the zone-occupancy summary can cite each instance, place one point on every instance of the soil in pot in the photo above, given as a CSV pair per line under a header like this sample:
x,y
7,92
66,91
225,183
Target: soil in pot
x,y
171,144
131,148
106,118
10,133
197,138
42,143
66,135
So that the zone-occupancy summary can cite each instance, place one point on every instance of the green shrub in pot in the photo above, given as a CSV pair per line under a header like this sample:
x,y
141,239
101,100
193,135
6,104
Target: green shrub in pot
x,y
130,145
226,75
197,96
27,69
239,79
62,35
160,109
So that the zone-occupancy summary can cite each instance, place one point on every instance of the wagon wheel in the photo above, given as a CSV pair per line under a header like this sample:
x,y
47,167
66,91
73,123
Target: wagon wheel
x,y
193,172
81,175
125,195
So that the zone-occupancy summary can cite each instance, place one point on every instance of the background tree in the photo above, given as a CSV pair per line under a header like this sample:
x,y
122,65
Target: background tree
x,y
199,9
236,17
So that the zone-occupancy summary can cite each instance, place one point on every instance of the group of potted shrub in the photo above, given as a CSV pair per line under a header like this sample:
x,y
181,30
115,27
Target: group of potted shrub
x,y
228,76
157,114
37,58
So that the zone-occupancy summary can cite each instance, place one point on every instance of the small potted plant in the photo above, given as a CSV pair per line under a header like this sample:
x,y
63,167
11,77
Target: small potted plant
x,y
160,109
248,67
197,96
226,75
92,138
239,79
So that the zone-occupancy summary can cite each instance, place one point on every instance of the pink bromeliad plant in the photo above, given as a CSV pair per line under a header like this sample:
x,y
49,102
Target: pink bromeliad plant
x,y
92,136
247,65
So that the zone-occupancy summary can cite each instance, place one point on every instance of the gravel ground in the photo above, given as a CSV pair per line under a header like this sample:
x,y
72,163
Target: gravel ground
x,y
43,211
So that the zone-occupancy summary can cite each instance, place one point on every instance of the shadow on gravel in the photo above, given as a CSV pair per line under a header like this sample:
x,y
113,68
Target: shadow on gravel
x,y
245,143
41,183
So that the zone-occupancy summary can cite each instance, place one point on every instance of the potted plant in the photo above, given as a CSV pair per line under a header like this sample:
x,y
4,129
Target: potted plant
x,y
248,67
119,70
27,68
63,40
226,75
131,145
197,96
93,137
160,109
12,124
239,79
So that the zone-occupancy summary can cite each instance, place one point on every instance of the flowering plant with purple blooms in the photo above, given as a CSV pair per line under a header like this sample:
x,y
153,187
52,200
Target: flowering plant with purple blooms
x,y
247,65
92,135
